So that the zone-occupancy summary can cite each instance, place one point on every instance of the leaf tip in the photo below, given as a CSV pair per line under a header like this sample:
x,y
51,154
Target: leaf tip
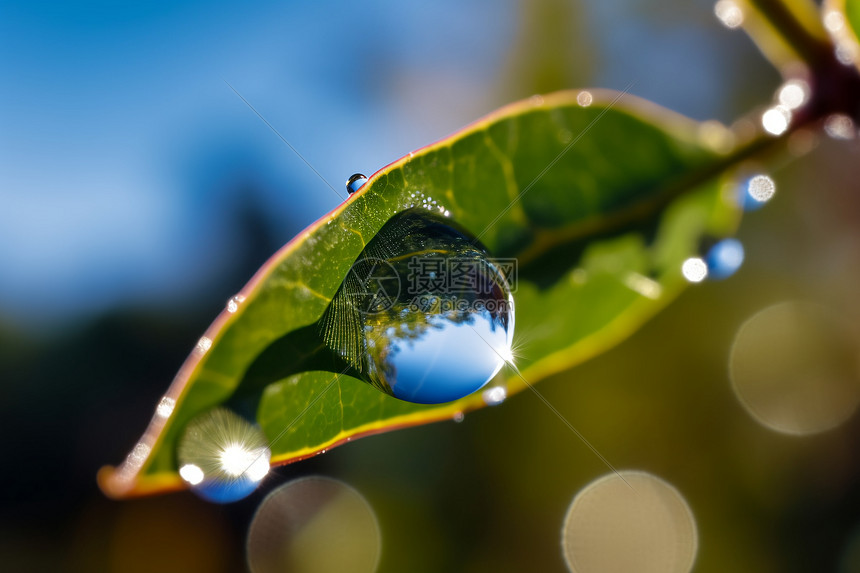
x,y
117,484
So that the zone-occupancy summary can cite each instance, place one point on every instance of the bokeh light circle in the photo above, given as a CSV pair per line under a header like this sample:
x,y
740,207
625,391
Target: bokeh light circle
x,y
694,269
793,368
314,525
643,525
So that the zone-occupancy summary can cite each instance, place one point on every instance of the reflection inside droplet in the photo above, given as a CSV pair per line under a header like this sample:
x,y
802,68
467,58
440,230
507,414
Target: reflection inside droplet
x,y
792,367
314,525
638,523
729,13
222,456
724,258
446,358
424,314
694,269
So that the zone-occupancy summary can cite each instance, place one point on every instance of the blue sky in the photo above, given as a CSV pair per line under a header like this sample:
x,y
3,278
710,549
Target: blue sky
x,y
119,139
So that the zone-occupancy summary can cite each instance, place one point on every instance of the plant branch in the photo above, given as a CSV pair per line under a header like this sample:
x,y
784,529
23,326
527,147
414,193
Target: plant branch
x,y
804,36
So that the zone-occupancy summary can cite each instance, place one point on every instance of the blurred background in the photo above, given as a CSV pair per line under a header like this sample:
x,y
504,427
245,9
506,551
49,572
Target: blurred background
x,y
138,192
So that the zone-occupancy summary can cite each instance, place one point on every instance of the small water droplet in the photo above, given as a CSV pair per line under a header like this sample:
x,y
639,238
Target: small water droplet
x,y
132,464
203,345
355,182
536,100
694,269
165,407
495,395
442,314
729,13
584,98
724,259
758,191
222,456
139,454
846,53
776,120
233,303
834,21
793,93
458,417
839,126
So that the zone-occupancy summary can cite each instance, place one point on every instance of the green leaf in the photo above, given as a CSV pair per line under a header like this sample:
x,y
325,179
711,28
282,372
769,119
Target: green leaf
x,y
599,202
852,11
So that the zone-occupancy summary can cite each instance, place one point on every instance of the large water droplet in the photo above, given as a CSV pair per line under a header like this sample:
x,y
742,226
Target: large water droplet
x,y
355,182
222,456
424,313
